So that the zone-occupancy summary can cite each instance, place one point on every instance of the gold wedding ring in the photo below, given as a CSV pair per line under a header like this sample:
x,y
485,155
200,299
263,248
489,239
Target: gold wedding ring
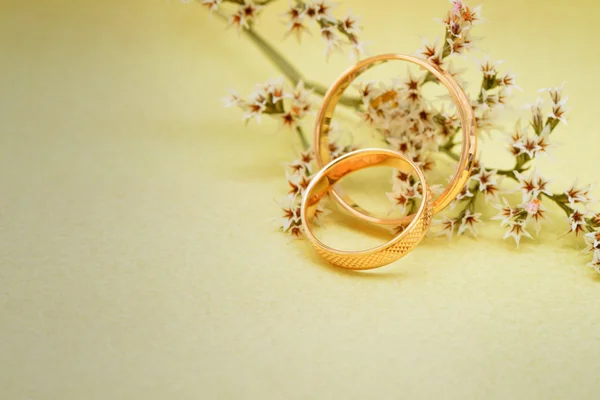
x,y
469,139
400,244
327,180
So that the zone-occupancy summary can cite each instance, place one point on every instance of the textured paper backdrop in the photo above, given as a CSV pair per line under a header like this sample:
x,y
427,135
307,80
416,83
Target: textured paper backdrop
x,y
137,256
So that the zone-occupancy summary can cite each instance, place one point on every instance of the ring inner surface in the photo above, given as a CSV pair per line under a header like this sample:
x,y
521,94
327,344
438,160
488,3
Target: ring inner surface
x,y
346,165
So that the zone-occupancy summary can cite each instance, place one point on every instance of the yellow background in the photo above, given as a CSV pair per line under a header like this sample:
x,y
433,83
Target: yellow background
x,y
137,254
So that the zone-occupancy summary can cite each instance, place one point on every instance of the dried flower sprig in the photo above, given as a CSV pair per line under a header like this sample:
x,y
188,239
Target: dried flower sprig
x,y
276,99
243,14
330,27
423,131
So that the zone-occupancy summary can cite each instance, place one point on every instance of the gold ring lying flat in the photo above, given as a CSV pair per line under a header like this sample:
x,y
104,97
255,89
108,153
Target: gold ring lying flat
x,y
382,255
469,144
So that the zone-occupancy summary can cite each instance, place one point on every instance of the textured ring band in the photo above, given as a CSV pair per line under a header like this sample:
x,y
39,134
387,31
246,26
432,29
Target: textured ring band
x,y
382,255
469,139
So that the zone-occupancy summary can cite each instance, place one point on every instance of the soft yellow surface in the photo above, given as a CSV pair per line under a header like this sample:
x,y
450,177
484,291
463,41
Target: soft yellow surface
x,y
137,254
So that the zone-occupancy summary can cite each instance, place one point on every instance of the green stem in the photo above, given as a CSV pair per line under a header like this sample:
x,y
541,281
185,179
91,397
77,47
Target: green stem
x,y
303,140
447,149
509,173
554,197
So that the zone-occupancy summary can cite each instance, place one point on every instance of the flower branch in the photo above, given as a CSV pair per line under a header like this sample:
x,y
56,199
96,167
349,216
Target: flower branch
x,y
416,127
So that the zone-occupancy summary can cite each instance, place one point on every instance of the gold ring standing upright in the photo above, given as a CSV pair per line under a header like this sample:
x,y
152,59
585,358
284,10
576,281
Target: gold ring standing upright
x,y
469,138
388,252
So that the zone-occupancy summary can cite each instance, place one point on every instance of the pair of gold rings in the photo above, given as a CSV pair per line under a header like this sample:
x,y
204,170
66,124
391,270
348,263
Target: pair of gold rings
x,y
326,181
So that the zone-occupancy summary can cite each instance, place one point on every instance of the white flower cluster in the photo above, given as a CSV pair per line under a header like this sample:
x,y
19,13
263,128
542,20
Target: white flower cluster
x,y
288,106
408,123
405,191
335,32
245,14
592,240
496,89
458,40
298,173
525,144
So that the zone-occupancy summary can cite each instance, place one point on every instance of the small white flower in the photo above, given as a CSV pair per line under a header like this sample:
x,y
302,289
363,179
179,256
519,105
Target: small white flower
x,y
555,93
592,240
234,100
558,111
537,117
303,165
484,177
431,52
533,185
332,41
294,12
213,5
296,27
276,88
507,212
576,222
246,13
400,179
595,263
533,146
447,226
464,193
516,229
239,20
350,24
508,81
460,44
457,6
365,90
398,200
289,120
413,191
323,10
298,182
358,49
402,194
300,94
516,140
250,10
469,222
488,67
290,214
580,195
254,110
533,206
319,213
486,117
306,158
489,99
488,183
535,211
